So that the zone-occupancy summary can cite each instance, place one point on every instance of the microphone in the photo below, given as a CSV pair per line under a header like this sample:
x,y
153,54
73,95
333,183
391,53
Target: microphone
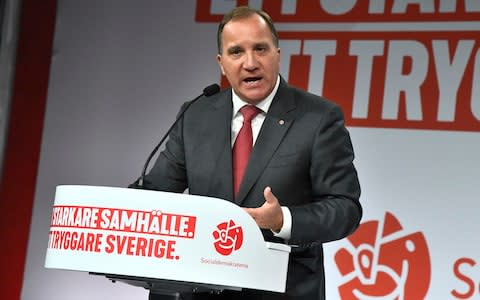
x,y
208,91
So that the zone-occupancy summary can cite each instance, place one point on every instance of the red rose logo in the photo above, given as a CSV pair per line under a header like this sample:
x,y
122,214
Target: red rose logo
x,y
228,237
384,262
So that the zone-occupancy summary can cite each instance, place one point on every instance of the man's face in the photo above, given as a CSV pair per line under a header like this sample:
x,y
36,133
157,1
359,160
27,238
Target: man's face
x,y
250,60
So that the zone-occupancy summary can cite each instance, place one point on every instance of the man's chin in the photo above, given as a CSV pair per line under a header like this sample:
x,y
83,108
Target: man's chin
x,y
253,97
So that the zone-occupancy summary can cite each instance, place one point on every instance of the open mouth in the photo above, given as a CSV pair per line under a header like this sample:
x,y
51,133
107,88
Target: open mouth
x,y
252,80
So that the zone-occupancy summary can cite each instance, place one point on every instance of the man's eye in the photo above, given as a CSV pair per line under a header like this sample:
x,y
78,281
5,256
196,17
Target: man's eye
x,y
235,52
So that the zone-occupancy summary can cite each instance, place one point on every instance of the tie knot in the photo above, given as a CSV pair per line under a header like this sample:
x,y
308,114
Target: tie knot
x,y
249,112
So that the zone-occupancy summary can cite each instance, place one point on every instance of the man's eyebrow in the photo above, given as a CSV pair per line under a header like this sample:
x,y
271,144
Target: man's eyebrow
x,y
234,48
261,44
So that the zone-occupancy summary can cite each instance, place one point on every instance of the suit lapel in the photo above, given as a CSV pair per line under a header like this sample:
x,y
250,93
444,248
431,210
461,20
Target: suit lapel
x,y
277,122
221,183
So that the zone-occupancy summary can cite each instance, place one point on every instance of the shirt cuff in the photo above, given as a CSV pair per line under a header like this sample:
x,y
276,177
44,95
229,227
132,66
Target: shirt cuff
x,y
286,230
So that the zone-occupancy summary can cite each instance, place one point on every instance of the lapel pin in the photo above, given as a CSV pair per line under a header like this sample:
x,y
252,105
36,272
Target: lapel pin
x,y
281,122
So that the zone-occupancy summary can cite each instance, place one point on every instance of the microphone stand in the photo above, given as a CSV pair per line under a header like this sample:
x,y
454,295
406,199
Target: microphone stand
x,y
208,91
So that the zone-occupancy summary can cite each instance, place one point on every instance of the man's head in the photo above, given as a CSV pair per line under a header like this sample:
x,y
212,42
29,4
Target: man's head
x,y
248,53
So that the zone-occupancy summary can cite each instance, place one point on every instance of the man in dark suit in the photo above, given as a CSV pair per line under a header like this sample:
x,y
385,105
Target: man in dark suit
x,y
299,183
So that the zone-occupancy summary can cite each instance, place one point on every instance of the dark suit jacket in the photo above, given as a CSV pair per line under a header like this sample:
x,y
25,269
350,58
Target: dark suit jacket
x,y
306,159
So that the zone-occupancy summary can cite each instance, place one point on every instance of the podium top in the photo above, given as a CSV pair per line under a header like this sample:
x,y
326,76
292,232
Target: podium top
x,y
162,235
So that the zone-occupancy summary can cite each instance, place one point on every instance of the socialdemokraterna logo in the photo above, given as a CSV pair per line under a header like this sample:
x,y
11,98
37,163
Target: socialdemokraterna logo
x,y
228,237
382,261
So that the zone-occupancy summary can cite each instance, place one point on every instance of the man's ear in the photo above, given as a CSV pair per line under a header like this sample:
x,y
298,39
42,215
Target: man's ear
x,y
219,61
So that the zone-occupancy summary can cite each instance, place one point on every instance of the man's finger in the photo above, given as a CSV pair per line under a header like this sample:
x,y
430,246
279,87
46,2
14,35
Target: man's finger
x,y
269,196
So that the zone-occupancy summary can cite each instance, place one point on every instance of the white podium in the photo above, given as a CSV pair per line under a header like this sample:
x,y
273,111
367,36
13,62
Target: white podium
x,y
165,242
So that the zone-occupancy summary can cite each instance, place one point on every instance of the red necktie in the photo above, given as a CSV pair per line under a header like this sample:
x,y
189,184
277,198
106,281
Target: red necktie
x,y
243,145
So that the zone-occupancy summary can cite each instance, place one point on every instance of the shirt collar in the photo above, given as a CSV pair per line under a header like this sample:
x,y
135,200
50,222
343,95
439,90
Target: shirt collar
x,y
264,105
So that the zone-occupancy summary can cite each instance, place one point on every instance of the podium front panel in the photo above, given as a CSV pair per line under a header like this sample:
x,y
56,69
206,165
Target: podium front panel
x,y
162,235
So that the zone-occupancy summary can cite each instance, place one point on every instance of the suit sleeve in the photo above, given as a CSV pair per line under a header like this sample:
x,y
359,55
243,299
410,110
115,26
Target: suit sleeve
x,y
335,210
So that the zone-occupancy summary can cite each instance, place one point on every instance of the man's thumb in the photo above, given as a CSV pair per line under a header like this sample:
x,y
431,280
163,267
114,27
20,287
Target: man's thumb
x,y
269,196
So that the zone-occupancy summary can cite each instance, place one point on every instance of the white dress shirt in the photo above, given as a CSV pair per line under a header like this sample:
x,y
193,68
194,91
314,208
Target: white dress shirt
x,y
257,122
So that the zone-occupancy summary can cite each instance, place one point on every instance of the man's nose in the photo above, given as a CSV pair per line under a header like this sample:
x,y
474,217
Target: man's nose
x,y
251,62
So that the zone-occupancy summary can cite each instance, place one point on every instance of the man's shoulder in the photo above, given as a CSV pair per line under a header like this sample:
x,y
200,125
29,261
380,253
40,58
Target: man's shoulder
x,y
311,101
213,102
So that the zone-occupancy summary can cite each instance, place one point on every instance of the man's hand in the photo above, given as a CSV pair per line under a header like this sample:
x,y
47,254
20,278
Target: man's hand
x,y
269,215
